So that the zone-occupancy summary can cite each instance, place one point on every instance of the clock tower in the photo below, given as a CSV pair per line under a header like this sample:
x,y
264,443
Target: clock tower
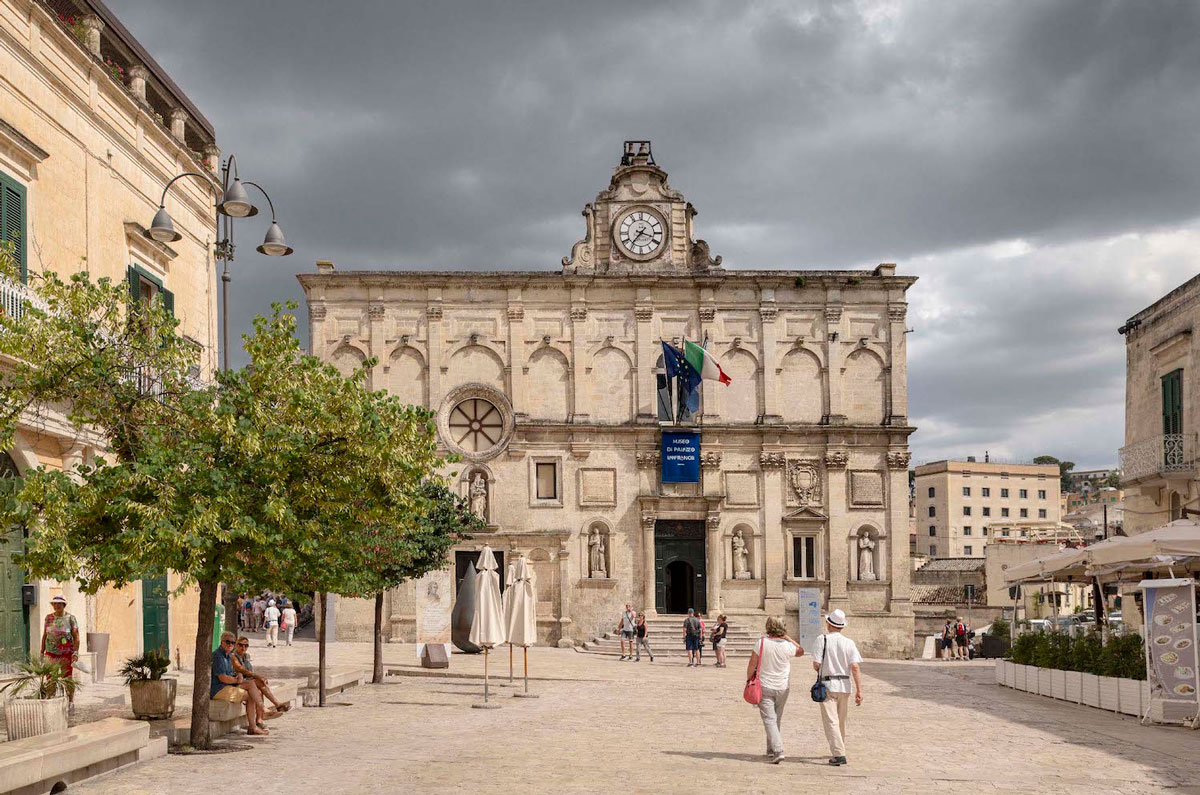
x,y
640,224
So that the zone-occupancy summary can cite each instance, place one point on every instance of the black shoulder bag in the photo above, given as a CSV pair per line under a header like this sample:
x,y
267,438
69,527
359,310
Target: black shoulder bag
x,y
819,691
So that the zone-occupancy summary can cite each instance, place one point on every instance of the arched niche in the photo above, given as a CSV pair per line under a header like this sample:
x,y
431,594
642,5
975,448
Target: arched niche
x,y
740,400
595,542
867,544
477,486
347,359
742,532
865,388
407,377
548,392
801,387
476,364
611,381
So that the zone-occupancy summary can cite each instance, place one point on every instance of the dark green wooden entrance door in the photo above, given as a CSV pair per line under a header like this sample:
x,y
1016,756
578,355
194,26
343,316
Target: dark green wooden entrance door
x,y
14,617
679,566
154,614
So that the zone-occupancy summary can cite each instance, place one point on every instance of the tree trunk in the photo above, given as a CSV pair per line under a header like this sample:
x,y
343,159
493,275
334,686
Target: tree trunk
x,y
377,672
321,597
203,666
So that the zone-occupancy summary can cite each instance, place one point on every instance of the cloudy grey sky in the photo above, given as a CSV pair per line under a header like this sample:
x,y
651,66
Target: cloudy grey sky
x,y
1036,164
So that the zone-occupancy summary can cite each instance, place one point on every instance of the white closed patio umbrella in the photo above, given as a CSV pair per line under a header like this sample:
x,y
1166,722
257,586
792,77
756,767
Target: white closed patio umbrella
x,y
487,629
520,619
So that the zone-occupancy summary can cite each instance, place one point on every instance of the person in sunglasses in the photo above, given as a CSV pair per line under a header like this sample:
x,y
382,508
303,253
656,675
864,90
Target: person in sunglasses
x,y
243,665
227,684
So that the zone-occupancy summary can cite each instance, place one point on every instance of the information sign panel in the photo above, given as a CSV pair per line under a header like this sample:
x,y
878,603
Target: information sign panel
x,y
810,618
681,457
1172,663
434,594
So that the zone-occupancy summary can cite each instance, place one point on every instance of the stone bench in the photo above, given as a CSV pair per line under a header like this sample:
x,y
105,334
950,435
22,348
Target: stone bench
x,y
337,679
223,716
37,765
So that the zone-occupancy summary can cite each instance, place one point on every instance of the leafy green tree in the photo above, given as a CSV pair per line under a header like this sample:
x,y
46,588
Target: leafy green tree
x,y
1064,470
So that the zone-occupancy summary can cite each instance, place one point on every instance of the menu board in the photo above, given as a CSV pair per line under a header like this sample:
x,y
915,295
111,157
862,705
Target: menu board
x,y
434,594
1172,664
810,618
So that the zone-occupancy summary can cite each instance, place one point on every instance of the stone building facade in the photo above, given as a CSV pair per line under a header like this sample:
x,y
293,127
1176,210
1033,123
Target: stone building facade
x,y
550,386
91,128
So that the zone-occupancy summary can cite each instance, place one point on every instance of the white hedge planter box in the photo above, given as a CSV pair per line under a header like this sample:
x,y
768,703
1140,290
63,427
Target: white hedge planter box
x,y
1125,696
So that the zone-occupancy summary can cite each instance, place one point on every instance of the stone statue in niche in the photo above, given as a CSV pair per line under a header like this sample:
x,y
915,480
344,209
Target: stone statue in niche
x,y
866,557
741,557
596,566
479,496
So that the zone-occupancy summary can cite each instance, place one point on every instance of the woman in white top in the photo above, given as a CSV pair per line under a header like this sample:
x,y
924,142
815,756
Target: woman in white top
x,y
774,673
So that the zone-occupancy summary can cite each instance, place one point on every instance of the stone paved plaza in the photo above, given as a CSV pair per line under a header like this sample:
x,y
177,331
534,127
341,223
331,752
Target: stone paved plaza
x,y
603,725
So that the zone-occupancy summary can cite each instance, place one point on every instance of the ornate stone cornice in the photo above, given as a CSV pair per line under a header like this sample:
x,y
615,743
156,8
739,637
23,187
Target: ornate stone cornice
x,y
710,460
767,313
434,311
833,313
643,313
899,459
708,314
772,460
648,459
836,459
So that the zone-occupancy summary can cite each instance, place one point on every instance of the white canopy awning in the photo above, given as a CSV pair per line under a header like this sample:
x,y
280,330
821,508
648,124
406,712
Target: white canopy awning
x,y
1175,544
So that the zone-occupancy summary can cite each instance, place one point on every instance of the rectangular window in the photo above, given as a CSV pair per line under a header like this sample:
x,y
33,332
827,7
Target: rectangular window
x,y
932,511
12,219
1023,494
144,286
1024,513
966,529
1004,493
983,531
966,491
966,510
1172,404
933,549
1004,513
1041,513
932,531
547,480
931,490
987,492
804,557
1004,533
987,511
967,549
1041,494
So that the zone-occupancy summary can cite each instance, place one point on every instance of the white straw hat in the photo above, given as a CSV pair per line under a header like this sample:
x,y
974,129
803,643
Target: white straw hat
x,y
836,619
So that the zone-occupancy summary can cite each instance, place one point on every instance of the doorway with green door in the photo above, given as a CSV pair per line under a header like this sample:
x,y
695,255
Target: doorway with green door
x,y
14,615
155,630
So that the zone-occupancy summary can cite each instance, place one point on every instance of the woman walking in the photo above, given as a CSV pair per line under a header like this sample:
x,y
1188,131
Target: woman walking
x,y
718,640
772,660
60,640
641,629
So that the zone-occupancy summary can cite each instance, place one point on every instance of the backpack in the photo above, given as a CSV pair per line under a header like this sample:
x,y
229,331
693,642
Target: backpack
x,y
692,625
960,630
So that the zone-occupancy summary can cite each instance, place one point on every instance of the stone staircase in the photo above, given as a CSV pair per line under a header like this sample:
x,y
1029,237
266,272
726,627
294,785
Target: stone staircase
x,y
666,638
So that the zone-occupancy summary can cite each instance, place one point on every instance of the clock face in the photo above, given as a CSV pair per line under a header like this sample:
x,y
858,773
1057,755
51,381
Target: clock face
x,y
640,233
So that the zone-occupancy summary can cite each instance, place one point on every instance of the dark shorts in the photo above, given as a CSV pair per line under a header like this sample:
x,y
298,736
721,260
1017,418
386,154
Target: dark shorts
x,y
692,644
947,642
961,640
627,634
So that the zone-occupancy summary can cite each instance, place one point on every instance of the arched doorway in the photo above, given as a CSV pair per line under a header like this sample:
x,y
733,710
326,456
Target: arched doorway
x,y
680,581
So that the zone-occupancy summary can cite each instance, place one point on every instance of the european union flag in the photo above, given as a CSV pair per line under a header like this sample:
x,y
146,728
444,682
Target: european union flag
x,y
687,387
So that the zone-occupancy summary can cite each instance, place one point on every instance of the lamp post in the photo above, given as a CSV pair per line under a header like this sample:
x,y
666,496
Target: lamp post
x,y
232,202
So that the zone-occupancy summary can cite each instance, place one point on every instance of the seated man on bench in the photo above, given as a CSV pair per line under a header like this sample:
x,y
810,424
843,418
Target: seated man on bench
x,y
228,685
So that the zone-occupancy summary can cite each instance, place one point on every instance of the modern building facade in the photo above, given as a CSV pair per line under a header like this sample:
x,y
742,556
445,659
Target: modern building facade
x,y
959,504
1162,398
550,386
91,128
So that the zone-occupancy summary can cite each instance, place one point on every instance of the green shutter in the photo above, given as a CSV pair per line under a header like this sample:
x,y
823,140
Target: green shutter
x,y
168,298
135,292
12,219
1172,402
136,273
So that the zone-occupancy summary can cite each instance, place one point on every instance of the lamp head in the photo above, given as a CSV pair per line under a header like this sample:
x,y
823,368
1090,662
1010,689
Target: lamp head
x,y
161,228
237,202
273,244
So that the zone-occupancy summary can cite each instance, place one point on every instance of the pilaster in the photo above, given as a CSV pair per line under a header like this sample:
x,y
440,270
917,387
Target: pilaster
x,y
898,361
772,465
648,520
433,342
566,585
515,324
376,341
715,562
578,320
647,355
833,362
839,528
768,382
899,562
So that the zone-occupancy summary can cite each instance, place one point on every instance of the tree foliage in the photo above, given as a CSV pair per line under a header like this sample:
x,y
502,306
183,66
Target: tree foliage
x,y
1064,470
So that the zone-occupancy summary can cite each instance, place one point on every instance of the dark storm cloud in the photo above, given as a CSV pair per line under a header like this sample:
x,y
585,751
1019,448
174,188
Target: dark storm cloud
x,y
808,135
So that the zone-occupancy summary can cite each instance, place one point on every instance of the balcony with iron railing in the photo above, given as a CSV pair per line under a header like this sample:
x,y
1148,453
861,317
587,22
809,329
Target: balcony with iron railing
x,y
1168,456
15,296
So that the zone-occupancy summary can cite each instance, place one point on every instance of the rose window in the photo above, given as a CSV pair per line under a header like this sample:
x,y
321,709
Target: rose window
x,y
475,425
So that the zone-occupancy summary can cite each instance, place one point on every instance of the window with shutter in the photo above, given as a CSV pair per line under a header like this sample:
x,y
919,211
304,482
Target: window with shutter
x,y
143,286
1172,402
12,219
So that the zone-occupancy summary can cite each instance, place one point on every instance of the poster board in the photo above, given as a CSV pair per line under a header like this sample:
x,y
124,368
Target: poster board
x,y
810,618
1172,663
680,457
433,595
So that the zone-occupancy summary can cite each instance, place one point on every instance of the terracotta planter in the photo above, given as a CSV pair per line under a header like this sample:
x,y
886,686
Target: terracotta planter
x,y
152,699
29,717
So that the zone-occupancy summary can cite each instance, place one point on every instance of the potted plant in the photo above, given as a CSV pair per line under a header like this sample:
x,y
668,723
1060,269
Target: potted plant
x,y
36,699
150,695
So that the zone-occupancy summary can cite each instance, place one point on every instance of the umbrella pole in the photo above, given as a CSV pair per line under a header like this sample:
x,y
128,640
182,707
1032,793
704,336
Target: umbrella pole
x,y
486,695
510,665
526,694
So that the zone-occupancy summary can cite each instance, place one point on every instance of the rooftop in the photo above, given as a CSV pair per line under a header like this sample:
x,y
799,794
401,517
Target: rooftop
x,y
940,594
953,564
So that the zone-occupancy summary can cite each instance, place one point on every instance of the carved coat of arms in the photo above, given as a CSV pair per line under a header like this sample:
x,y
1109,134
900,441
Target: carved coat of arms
x,y
805,480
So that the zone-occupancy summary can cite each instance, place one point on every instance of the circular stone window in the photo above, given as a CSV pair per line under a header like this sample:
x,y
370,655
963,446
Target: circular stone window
x,y
475,421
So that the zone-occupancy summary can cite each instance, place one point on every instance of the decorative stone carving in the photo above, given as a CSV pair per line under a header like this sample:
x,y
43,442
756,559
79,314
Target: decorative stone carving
x,y
434,312
579,313
648,459
375,311
805,479
899,459
833,314
596,554
836,459
702,260
741,557
866,556
897,312
648,520
317,311
713,521
708,314
643,313
772,460
710,460
582,257
866,487
516,313
479,496
767,313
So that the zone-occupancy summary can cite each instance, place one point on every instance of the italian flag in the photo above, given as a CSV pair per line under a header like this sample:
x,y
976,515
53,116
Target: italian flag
x,y
704,363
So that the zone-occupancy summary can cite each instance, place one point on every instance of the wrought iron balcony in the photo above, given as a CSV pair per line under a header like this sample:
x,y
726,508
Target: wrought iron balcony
x,y
1165,456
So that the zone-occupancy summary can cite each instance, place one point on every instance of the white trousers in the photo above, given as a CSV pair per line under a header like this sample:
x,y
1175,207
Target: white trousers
x,y
272,635
834,710
291,630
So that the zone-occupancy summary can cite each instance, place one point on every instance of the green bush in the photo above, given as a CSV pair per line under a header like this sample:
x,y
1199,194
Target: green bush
x,y
1123,655
1000,629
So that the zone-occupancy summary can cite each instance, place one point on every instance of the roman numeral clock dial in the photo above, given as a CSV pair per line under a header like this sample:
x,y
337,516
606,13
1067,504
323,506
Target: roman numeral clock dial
x,y
640,234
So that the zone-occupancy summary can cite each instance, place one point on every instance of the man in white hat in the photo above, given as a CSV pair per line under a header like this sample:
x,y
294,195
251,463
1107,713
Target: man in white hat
x,y
271,619
836,662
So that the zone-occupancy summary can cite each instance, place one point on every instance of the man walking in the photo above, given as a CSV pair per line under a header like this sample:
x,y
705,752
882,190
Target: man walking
x,y
836,661
692,631
626,627
960,639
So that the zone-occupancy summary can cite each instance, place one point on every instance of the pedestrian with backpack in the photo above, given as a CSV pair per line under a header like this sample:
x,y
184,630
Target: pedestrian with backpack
x,y
692,632
836,661
960,639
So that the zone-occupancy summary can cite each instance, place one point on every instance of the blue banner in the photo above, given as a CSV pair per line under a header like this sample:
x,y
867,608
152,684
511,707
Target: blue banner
x,y
681,457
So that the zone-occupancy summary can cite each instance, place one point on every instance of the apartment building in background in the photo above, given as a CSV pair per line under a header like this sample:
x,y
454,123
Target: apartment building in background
x,y
960,503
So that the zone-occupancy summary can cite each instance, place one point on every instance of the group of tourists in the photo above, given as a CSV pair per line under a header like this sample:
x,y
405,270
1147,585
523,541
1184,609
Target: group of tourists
x,y
270,613
956,640
234,679
634,633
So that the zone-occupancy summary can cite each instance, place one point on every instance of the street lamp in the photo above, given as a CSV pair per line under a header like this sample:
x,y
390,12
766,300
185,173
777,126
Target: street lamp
x,y
232,202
